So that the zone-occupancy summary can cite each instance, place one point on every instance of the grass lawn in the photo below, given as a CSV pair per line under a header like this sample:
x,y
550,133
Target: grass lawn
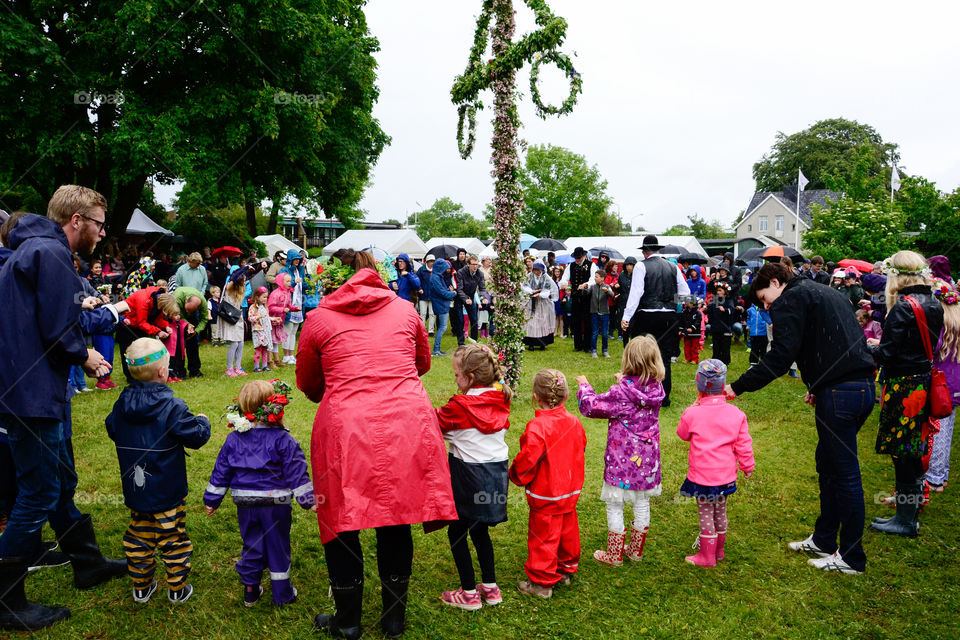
x,y
761,590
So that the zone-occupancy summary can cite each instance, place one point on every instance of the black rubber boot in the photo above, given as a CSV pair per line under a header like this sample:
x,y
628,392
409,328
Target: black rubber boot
x,y
345,623
904,523
90,567
16,612
394,595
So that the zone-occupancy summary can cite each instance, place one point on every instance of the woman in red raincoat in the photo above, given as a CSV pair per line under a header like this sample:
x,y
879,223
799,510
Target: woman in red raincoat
x,y
379,460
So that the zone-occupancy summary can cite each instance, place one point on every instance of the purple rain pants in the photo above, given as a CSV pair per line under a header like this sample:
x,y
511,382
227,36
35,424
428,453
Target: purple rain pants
x,y
266,545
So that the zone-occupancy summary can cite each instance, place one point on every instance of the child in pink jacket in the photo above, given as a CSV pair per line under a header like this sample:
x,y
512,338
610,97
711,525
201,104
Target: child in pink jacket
x,y
719,443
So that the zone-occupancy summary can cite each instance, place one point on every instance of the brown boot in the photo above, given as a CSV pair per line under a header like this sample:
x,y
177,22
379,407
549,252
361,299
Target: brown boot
x,y
534,589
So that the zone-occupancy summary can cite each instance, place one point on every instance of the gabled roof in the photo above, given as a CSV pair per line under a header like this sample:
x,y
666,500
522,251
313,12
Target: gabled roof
x,y
788,199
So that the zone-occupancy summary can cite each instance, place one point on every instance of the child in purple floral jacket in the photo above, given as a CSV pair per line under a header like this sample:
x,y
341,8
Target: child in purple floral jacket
x,y
632,458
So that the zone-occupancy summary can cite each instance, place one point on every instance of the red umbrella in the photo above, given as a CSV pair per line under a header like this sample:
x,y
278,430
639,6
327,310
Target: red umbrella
x,y
860,265
230,252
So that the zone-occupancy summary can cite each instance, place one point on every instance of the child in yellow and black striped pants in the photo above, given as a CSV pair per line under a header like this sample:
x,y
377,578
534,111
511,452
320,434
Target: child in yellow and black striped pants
x,y
150,428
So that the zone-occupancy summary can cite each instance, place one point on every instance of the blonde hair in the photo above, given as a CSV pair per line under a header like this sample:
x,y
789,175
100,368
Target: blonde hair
x,y
69,199
950,349
162,283
864,314
195,257
550,387
167,305
907,261
143,347
480,363
641,358
254,395
236,287
214,291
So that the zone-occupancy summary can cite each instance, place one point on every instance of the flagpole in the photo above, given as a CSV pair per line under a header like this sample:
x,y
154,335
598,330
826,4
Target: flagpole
x,y
796,232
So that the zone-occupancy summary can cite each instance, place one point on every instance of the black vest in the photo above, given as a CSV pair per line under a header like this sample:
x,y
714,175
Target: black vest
x,y
579,274
659,285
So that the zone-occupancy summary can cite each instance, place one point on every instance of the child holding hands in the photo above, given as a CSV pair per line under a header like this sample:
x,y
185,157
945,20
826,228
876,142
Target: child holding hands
x,y
719,443
632,458
474,424
550,465
264,468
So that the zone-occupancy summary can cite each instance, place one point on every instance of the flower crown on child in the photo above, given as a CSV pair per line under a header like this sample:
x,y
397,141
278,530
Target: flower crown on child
x,y
890,270
945,291
270,412
722,285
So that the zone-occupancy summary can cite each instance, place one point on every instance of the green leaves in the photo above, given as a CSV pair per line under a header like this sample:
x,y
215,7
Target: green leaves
x,y
448,219
850,229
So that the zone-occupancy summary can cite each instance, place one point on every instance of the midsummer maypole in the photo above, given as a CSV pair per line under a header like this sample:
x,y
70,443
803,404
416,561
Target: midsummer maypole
x,y
499,74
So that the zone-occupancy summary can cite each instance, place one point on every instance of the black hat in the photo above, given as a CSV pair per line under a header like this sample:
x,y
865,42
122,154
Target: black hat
x,y
650,243
578,253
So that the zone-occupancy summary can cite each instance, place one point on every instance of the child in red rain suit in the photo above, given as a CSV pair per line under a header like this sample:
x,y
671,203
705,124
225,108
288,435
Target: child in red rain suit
x,y
550,466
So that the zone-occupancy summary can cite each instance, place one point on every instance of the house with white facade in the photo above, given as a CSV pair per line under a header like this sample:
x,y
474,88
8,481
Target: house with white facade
x,y
774,215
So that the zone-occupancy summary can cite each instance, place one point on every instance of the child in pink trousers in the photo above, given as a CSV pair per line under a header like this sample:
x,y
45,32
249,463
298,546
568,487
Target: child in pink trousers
x,y
719,443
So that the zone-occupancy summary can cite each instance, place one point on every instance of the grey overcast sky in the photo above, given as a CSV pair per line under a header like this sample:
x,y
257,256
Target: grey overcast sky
x,y
679,98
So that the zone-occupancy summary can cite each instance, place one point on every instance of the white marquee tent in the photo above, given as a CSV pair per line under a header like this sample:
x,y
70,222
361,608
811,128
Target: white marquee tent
x,y
630,245
393,241
141,225
276,242
472,245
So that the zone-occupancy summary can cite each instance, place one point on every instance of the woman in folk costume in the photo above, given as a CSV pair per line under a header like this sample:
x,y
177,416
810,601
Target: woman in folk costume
x,y
541,321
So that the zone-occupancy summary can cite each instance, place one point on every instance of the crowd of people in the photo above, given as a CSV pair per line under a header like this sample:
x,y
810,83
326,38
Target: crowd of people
x,y
361,352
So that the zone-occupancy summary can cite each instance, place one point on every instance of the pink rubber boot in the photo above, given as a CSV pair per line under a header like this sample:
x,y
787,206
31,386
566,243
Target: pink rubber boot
x,y
721,538
707,555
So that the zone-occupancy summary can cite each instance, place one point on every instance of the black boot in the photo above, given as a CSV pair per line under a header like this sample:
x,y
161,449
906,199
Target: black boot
x,y
394,595
47,556
16,612
90,567
904,523
345,623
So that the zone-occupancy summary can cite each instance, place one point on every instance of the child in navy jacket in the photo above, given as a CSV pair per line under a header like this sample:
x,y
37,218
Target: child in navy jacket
x,y
150,428
264,468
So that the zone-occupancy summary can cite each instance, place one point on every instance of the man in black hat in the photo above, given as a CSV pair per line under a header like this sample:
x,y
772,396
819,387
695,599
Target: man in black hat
x,y
578,276
652,305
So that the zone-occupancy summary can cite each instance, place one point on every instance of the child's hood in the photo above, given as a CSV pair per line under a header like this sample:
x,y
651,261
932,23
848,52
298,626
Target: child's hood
x,y
486,412
143,402
636,391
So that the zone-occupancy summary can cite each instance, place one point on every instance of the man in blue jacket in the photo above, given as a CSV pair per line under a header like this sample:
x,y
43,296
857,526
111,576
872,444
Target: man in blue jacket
x,y
424,308
442,292
42,339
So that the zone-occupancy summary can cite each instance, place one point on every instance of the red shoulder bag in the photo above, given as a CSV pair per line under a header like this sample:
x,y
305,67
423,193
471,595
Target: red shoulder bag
x,y
938,399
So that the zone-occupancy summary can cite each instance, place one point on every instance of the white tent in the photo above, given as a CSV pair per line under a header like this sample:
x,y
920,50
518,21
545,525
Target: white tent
x,y
630,245
393,241
472,245
488,252
141,225
276,242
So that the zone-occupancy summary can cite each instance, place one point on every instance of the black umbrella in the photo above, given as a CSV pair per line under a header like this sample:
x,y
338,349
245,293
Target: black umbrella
x,y
751,254
445,251
672,249
692,258
613,253
548,244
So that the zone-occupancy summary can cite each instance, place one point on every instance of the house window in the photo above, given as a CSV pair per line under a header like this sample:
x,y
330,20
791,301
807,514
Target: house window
x,y
749,227
763,223
794,227
779,223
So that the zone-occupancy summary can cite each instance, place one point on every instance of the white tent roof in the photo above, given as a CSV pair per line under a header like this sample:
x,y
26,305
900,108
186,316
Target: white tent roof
x,y
472,245
488,252
276,242
140,224
630,245
393,241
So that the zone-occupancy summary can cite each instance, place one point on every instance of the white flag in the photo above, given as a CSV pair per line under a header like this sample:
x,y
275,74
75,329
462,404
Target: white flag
x,y
802,181
895,179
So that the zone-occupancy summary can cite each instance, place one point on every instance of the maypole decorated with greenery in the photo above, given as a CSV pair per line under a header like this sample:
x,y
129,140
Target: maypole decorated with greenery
x,y
499,74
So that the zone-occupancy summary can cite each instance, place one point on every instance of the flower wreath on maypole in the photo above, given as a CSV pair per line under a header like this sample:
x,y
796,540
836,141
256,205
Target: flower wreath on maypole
x,y
499,74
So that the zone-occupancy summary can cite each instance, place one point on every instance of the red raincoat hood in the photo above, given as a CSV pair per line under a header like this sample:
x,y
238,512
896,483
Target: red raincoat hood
x,y
361,295
486,412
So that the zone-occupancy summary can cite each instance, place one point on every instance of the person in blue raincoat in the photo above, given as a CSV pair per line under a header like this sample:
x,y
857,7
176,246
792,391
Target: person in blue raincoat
x,y
407,281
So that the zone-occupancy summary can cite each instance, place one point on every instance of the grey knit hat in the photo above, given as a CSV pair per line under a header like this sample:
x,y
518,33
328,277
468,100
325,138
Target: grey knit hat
x,y
711,376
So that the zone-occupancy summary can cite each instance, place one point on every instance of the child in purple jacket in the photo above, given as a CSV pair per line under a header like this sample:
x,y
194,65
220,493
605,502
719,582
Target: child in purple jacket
x,y
264,469
632,459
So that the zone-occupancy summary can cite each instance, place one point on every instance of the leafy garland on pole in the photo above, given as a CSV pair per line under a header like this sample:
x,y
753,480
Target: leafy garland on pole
x,y
499,75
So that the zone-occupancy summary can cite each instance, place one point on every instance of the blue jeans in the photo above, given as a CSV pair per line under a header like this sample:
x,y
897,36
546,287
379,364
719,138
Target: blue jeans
x,y
471,310
46,482
77,378
442,320
840,412
601,326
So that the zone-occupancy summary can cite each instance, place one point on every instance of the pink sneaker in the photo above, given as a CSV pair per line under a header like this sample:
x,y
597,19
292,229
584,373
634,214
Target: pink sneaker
x,y
462,600
241,372
232,373
490,595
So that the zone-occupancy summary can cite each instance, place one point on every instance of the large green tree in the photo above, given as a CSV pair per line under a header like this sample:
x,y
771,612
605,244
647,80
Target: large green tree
x,y
564,195
828,150
244,100
448,219
933,215
699,228
856,229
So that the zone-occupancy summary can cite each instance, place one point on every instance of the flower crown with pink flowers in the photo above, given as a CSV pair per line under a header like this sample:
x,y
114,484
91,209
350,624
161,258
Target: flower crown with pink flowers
x,y
270,412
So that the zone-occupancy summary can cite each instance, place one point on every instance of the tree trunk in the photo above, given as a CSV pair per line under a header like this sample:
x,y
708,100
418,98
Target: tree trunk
x,y
127,198
508,202
251,209
274,214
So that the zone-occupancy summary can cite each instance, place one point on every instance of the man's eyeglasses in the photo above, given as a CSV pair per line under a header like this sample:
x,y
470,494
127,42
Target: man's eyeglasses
x,y
99,223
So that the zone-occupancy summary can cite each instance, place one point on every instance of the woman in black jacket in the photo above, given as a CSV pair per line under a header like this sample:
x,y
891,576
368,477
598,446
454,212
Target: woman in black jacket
x,y
906,368
813,327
